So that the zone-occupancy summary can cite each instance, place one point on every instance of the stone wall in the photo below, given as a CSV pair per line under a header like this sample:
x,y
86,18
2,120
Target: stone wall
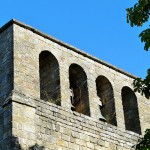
x,y
56,128
6,82
38,122
6,63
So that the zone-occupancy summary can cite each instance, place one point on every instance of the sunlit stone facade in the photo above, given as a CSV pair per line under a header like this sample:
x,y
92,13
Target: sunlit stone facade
x,y
52,95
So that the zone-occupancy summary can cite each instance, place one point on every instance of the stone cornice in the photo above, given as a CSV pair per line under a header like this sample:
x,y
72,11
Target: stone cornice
x,y
20,98
13,21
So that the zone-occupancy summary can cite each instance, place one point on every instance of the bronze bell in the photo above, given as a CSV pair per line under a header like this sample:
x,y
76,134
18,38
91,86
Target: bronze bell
x,y
101,117
99,102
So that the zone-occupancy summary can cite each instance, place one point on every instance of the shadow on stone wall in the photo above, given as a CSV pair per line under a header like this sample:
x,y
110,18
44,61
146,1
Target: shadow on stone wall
x,y
17,146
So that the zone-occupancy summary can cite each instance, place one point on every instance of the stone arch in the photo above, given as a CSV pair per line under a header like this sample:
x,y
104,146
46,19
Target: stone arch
x,y
131,112
49,78
79,89
106,95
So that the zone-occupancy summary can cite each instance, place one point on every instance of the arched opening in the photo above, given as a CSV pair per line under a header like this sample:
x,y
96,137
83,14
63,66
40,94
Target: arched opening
x,y
78,86
131,112
49,78
106,95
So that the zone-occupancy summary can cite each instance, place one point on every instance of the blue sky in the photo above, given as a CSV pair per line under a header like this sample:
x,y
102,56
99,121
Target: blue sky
x,y
96,27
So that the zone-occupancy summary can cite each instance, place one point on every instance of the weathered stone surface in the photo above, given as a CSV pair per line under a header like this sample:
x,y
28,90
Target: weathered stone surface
x,y
26,121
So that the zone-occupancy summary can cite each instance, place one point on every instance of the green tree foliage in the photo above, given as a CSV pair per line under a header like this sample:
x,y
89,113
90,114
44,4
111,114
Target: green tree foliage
x,y
144,143
137,16
143,85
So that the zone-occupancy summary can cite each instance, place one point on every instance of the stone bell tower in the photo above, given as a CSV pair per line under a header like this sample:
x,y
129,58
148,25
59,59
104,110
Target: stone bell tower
x,y
53,96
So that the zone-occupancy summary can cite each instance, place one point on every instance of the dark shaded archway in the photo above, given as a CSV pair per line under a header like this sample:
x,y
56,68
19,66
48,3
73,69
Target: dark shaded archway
x,y
131,112
106,94
49,78
78,85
